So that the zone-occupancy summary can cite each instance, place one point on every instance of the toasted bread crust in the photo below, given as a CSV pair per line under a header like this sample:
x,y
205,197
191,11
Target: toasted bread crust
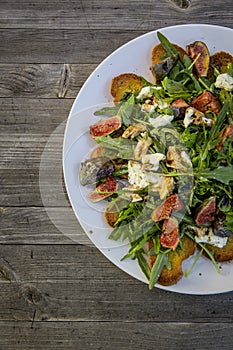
x,y
125,83
170,277
220,61
159,53
224,254
111,215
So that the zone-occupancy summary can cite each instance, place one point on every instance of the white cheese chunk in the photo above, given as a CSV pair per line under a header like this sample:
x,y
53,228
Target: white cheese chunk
x,y
161,120
212,239
224,81
151,161
147,92
136,176
148,108
189,117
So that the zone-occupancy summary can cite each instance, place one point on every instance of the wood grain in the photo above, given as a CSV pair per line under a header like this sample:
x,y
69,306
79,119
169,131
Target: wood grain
x,y
93,15
114,335
57,291
69,286
42,80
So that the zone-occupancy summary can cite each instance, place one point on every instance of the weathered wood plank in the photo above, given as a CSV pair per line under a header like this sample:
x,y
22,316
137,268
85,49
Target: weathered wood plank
x,y
40,225
23,116
61,45
55,282
114,335
106,14
42,80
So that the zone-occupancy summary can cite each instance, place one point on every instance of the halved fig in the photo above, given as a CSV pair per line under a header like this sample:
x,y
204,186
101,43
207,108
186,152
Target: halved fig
x,y
227,132
198,51
206,211
206,102
125,83
180,103
179,107
104,190
166,208
170,234
106,126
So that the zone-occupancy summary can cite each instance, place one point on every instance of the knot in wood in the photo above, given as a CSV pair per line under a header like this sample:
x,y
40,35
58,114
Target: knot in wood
x,y
182,4
6,272
32,295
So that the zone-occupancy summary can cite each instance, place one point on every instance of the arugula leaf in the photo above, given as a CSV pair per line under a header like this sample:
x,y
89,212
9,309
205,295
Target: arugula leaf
x,y
108,111
169,47
160,262
143,264
175,89
222,174
126,110
124,147
229,220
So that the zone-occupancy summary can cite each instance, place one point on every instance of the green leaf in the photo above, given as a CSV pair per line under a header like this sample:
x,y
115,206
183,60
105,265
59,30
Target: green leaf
x,y
160,262
123,147
169,47
229,220
143,264
107,111
175,89
126,110
222,174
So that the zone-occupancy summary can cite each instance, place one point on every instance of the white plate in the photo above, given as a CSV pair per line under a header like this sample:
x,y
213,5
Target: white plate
x,y
135,56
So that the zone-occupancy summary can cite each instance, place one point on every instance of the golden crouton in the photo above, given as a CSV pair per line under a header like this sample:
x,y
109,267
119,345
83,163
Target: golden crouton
x,y
172,276
159,53
223,254
125,83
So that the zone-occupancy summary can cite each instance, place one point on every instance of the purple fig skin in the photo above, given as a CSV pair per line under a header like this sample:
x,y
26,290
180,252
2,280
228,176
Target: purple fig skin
x,y
206,211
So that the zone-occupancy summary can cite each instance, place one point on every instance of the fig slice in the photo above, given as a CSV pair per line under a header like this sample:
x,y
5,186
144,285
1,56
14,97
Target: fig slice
x,y
104,190
198,51
206,101
170,234
206,211
227,132
106,126
166,208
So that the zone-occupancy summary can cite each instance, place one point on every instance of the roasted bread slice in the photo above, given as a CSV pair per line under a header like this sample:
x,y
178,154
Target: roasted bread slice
x,y
125,83
159,53
223,254
176,257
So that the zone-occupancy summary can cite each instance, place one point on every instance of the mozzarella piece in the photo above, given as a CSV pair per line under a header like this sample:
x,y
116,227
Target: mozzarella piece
x,y
148,108
162,104
151,161
161,120
206,235
147,92
224,81
212,239
136,176
196,117
189,117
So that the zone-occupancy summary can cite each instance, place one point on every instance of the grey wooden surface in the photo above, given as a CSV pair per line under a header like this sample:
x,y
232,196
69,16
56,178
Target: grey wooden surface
x,y
57,292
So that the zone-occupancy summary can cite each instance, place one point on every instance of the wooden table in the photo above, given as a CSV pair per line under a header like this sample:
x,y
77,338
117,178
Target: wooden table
x,y
57,293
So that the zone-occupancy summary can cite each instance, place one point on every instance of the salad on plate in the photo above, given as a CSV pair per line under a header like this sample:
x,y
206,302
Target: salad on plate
x,y
164,160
